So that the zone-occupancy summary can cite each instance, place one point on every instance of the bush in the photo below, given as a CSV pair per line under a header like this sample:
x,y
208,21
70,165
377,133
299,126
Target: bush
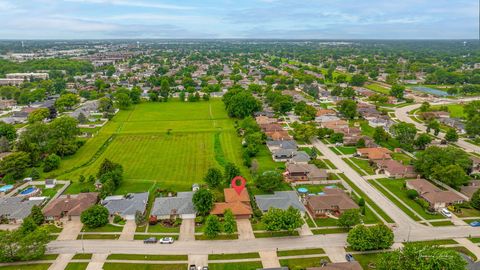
x,y
117,219
153,220
95,216
423,203
412,194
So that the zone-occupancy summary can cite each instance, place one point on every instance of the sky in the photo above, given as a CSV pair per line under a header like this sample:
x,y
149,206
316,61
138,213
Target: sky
x,y
266,19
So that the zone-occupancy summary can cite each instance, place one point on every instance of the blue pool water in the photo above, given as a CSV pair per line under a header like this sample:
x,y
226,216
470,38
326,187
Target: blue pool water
x,y
28,191
429,90
6,188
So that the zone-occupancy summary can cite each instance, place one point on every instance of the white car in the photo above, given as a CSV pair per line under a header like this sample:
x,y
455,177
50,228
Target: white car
x,y
166,240
446,213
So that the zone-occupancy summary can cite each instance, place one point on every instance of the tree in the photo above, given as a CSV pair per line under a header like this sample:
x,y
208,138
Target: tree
x,y
8,131
358,80
165,89
435,157
404,133
475,200
37,215
380,135
231,170
472,109
472,126
51,163
38,115
336,137
105,105
269,181
420,256
229,223
397,91
277,219
66,102
424,107
135,94
123,100
203,201
451,135
422,141
95,216
349,218
140,218
213,178
348,108
20,245
362,238
240,103
212,226
15,164
181,96
82,119
452,175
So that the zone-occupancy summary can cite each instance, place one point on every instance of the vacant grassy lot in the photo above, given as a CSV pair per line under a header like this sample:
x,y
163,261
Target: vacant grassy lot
x,y
378,88
171,144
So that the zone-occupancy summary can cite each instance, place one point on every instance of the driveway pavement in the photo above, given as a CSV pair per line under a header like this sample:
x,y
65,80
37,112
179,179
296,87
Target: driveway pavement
x,y
97,261
471,246
305,230
336,254
71,229
244,228
269,259
187,230
61,262
198,260
128,231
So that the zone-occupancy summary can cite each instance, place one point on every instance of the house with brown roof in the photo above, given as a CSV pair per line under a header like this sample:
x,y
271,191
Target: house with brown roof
x,y
322,112
394,169
436,197
239,204
264,120
304,172
470,188
69,205
475,164
336,124
333,202
271,127
374,153
281,135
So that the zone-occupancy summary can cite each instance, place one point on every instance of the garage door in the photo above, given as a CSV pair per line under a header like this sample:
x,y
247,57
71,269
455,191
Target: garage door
x,y
188,216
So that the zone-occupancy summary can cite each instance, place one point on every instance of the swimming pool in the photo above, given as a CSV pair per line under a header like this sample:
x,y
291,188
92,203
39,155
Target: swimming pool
x,y
429,90
6,188
28,191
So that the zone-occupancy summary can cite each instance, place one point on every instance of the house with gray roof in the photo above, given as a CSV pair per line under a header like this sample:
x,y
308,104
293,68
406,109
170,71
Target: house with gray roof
x,y
279,199
180,206
286,145
15,209
126,206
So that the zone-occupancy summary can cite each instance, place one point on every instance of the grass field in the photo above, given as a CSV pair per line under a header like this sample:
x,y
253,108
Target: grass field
x,y
171,144
235,266
39,266
455,110
134,266
76,266
253,255
378,88
303,263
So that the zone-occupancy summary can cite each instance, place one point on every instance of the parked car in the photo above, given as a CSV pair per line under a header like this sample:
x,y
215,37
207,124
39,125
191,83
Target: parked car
x,y
349,257
151,240
192,267
475,223
446,213
166,240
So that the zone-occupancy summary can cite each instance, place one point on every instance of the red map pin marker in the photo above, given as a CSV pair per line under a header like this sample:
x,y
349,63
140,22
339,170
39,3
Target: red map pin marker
x,y
238,187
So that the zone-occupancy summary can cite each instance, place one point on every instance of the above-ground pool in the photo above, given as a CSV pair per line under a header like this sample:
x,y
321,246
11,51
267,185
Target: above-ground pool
x,y
431,91
6,188
29,191
302,190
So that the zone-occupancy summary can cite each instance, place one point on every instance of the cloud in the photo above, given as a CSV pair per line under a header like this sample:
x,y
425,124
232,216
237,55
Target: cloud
x,y
133,4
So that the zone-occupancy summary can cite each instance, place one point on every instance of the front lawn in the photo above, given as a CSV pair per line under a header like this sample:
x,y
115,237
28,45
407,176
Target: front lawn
x,y
235,266
284,253
76,266
98,236
401,157
107,228
303,263
368,261
442,223
329,231
159,228
219,237
37,266
347,150
252,255
135,266
275,234
364,165
147,257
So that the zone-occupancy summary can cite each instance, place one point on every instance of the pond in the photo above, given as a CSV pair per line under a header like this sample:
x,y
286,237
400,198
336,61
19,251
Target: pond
x,y
431,91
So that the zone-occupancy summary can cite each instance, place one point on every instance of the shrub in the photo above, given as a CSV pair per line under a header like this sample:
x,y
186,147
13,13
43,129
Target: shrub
x,y
412,194
95,216
117,219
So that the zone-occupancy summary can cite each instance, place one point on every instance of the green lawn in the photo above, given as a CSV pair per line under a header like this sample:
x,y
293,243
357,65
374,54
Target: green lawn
x,y
162,229
171,144
38,266
235,266
219,237
368,261
303,263
275,234
146,257
397,187
296,252
107,228
364,165
347,150
378,88
352,165
82,256
132,266
329,231
252,255
76,266
401,157
437,242
98,236
442,223
455,110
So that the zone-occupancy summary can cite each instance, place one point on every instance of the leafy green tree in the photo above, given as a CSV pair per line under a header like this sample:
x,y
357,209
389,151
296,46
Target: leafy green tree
x,y
165,89
51,163
472,109
38,115
451,135
358,80
422,141
181,96
435,125
240,103
135,94
213,178
229,223
349,218
404,133
424,107
362,238
269,181
475,200
212,226
203,200
140,218
8,131
435,157
34,174
37,215
277,219
472,126
231,170
105,104
15,164
348,108
397,91
380,135
336,137
66,102
123,100
95,216
419,256
21,246
452,175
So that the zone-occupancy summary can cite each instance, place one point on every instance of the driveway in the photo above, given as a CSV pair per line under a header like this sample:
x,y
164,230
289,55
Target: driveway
x,y
187,230
61,262
198,260
71,229
304,230
244,229
336,254
97,261
269,259
128,231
